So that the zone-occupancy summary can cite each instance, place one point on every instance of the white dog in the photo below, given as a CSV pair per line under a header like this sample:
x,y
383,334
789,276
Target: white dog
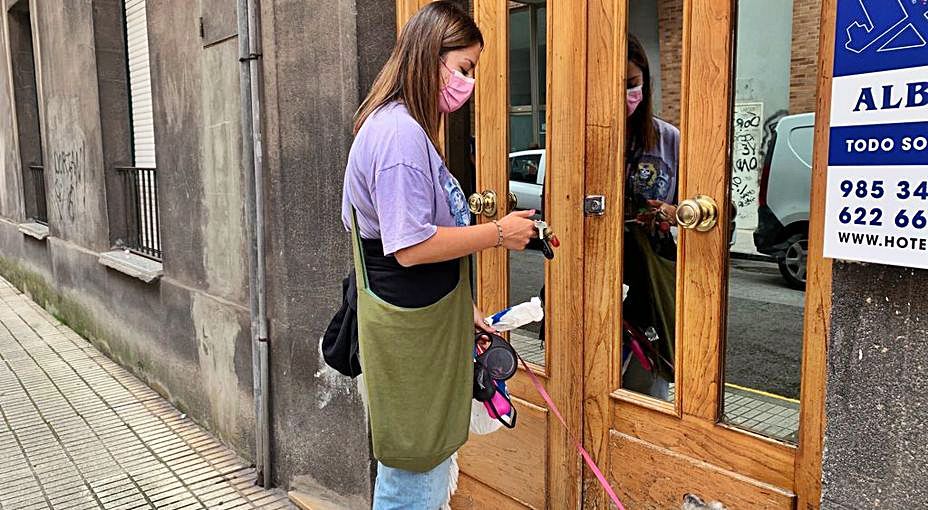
x,y
693,502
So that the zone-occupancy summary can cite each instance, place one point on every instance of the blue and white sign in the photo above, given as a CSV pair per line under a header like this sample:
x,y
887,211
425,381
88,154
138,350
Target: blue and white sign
x,y
877,197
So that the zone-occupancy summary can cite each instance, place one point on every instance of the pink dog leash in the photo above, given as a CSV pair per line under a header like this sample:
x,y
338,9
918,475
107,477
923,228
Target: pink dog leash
x,y
586,456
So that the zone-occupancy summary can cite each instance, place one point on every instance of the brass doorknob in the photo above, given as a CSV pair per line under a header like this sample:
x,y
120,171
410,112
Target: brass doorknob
x,y
699,213
483,203
513,202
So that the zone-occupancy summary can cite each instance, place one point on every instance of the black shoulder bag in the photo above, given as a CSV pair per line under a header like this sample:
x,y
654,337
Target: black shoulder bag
x,y
340,341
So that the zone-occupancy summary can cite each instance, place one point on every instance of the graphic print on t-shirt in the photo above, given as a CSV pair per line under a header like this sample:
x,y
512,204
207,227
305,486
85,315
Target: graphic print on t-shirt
x,y
650,178
457,202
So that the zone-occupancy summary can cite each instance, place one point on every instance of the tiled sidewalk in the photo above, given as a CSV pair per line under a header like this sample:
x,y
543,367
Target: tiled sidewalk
x,y
79,432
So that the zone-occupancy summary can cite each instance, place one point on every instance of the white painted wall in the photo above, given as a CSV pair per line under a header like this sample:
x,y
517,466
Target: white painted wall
x,y
762,70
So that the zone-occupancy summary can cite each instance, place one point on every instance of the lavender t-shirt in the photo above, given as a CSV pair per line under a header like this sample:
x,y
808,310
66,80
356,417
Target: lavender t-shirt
x,y
398,183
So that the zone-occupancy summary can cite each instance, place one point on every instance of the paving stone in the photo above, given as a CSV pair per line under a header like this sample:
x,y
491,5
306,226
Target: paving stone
x,y
66,492
115,490
25,498
12,481
167,495
10,497
124,498
234,502
66,477
38,505
225,499
179,499
266,499
134,505
213,489
81,496
86,502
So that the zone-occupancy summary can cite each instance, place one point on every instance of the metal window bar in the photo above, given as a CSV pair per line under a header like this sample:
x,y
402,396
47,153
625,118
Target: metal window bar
x,y
38,190
143,208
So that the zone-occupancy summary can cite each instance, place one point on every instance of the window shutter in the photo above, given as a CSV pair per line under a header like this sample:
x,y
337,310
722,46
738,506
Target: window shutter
x,y
143,130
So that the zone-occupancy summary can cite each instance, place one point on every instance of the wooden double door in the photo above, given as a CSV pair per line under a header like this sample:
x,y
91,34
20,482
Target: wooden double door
x,y
549,120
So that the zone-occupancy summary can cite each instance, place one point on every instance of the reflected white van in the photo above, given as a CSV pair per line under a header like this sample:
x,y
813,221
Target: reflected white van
x,y
783,206
527,178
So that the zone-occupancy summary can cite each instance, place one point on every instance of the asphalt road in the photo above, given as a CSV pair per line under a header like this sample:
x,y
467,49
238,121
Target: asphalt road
x,y
764,346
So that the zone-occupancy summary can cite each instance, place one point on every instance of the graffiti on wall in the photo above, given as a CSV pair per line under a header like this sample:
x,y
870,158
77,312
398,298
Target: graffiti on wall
x,y
747,158
68,168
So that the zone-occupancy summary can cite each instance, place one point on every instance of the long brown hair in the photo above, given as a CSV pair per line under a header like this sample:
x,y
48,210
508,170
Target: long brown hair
x,y
641,131
412,74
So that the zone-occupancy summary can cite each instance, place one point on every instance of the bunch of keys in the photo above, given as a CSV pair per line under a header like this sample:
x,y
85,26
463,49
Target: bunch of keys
x,y
548,239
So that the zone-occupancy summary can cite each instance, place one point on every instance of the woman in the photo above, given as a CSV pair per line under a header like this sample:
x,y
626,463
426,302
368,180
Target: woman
x,y
412,239
652,148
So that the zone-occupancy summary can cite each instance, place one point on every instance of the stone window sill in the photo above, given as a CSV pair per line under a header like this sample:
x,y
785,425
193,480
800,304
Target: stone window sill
x,y
33,229
136,266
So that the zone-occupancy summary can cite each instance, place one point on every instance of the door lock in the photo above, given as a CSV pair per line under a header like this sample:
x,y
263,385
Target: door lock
x,y
594,205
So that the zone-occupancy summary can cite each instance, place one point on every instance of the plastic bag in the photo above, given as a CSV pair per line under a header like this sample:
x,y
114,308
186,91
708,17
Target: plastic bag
x,y
481,423
517,316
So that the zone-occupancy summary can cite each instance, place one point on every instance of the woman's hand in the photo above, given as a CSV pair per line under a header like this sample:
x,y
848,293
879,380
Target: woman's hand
x,y
451,243
518,230
481,327
664,211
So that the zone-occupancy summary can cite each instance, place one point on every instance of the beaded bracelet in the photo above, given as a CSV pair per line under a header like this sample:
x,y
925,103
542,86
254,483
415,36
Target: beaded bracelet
x,y
499,233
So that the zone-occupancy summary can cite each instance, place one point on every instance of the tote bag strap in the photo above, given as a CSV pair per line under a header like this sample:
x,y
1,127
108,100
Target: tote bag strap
x,y
360,263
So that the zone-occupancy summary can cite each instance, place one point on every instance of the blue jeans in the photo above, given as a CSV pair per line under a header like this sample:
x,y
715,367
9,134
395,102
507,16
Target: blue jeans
x,y
639,380
397,489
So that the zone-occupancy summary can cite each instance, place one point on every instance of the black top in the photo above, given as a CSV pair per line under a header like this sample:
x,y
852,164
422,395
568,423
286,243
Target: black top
x,y
408,287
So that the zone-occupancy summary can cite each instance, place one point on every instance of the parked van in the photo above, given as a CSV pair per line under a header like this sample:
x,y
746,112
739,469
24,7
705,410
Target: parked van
x,y
783,206
527,178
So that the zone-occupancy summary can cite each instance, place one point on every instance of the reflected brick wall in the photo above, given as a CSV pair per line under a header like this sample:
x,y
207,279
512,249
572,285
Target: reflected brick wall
x,y
804,59
670,23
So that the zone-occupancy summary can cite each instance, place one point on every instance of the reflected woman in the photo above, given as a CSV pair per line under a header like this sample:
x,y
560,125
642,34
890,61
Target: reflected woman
x,y
651,157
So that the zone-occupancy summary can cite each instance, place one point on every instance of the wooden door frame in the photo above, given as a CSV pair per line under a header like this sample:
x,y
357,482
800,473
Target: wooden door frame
x,y
405,10
565,150
818,288
708,96
605,135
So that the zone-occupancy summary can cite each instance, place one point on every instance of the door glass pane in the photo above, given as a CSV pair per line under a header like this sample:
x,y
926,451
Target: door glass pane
x,y
650,198
520,131
520,49
772,129
527,57
541,48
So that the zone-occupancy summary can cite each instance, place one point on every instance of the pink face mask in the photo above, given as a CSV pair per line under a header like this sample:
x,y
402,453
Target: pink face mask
x,y
457,91
633,98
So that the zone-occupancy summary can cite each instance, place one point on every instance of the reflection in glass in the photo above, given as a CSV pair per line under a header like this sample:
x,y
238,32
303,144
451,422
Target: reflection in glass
x,y
527,161
527,79
772,127
649,250
520,60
